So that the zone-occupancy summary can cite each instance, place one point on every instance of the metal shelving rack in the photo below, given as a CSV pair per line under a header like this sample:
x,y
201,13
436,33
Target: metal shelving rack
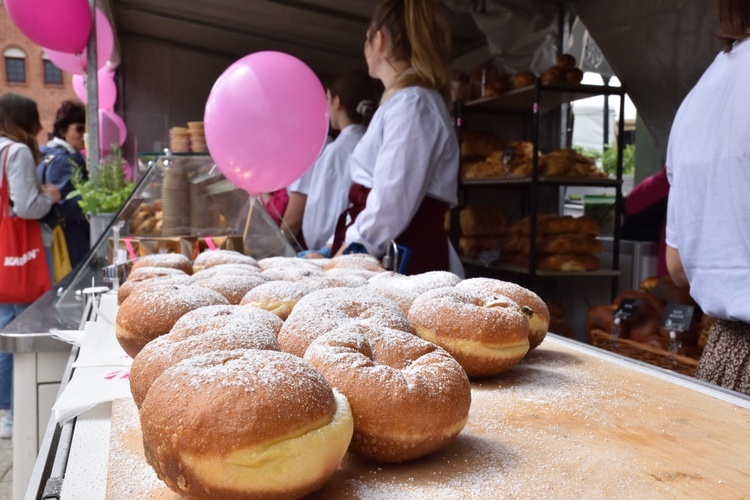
x,y
533,100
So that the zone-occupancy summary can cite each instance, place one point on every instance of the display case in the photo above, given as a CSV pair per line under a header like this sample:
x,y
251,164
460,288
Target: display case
x,y
181,204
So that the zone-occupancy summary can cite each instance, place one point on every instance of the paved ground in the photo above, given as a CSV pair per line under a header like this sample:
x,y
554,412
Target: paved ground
x,y
6,469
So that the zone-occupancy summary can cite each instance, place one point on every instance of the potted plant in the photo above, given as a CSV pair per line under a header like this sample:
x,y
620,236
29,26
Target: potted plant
x,y
101,199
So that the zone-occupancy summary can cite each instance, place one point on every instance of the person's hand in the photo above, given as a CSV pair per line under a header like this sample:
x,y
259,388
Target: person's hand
x,y
51,191
320,253
313,255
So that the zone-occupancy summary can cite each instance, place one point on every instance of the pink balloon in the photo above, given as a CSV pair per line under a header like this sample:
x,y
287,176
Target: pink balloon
x,y
105,39
266,121
112,130
72,63
107,88
79,87
61,25
76,63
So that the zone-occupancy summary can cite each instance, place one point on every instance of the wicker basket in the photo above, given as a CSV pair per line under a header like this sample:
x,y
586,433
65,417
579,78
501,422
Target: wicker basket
x,y
645,353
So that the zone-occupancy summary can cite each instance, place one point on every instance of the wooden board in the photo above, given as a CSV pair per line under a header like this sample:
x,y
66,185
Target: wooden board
x,y
563,423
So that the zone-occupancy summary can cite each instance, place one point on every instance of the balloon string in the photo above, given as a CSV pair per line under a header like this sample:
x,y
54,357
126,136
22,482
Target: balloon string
x,y
249,215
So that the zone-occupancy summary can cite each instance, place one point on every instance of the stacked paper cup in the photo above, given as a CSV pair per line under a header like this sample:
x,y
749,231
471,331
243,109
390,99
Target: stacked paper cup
x,y
200,214
179,139
197,137
175,197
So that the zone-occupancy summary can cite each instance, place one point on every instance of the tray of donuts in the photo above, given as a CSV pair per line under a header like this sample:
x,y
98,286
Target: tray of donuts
x,y
256,378
640,324
563,243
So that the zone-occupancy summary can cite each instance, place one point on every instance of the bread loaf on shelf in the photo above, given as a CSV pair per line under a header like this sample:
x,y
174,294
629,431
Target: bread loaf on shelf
x,y
479,144
562,243
554,244
483,220
472,246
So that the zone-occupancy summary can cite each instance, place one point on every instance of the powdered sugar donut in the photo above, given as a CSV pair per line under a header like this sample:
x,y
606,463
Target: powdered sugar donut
x,y
326,310
405,289
215,328
486,334
335,281
232,286
355,261
224,270
298,273
210,258
140,281
287,262
539,318
244,424
408,396
346,271
278,297
146,272
173,260
206,319
149,313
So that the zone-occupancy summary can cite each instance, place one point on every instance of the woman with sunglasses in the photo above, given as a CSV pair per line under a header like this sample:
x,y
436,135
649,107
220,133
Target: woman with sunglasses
x,y
60,157
405,168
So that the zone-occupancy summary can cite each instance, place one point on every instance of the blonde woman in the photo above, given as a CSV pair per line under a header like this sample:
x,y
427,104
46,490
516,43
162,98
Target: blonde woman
x,y
405,168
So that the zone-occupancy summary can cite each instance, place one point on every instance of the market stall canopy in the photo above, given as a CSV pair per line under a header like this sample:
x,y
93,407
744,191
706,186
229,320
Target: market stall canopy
x,y
173,50
326,34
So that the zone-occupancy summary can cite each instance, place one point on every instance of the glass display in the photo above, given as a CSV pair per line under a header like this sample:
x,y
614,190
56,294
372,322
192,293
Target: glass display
x,y
182,203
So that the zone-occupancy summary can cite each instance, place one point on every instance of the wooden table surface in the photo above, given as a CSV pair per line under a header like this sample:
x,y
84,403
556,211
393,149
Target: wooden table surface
x,y
567,422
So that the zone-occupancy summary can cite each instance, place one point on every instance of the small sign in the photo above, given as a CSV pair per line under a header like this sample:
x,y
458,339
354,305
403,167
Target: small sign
x,y
508,155
628,308
677,317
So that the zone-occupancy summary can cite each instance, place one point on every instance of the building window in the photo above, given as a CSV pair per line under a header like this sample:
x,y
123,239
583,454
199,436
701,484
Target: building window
x,y
15,69
52,74
15,65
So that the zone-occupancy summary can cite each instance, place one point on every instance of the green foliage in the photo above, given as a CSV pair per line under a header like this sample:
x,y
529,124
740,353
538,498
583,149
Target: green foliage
x,y
608,160
110,191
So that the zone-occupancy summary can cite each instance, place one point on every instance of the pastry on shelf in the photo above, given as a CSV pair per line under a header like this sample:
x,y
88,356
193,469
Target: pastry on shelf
x,y
473,246
483,220
523,79
556,224
147,219
481,170
479,144
564,71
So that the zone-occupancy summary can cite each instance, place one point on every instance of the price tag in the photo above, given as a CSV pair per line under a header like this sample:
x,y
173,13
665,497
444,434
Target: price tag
x,y
628,308
677,318
508,155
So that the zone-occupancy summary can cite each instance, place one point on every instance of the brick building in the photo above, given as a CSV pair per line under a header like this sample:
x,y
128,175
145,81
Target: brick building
x,y
25,70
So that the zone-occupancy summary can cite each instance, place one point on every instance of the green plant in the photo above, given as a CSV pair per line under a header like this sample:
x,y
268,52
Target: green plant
x,y
108,193
607,160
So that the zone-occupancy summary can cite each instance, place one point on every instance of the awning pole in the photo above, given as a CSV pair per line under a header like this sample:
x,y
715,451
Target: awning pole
x,y
92,110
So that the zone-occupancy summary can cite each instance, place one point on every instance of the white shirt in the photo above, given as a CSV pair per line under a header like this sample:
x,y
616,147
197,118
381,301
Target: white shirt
x,y
409,151
328,193
708,166
302,184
